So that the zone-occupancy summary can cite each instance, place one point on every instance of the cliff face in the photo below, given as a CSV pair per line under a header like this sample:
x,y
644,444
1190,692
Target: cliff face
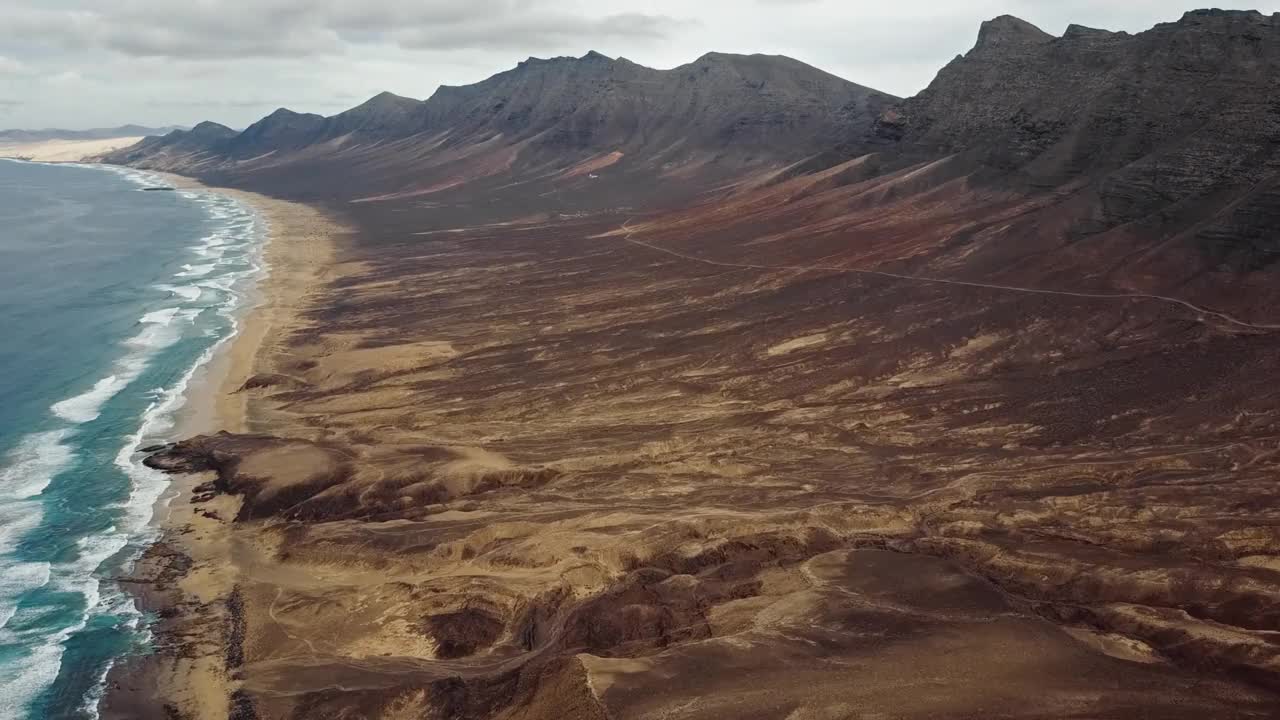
x,y
1172,126
1093,99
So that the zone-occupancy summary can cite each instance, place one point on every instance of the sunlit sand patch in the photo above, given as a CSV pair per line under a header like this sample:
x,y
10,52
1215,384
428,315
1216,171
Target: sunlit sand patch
x,y
346,361
1115,645
287,465
603,672
1267,562
361,401
977,344
65,150
593,165
799,343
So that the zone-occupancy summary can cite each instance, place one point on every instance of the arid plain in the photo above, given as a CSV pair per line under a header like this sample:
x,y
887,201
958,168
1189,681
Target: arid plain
x,y
680,486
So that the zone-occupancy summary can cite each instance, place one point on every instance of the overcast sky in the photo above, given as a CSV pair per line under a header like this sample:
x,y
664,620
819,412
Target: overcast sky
x,y
94,63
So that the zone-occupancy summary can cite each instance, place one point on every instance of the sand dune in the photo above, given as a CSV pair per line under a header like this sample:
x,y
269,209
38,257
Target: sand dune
x,y
64,150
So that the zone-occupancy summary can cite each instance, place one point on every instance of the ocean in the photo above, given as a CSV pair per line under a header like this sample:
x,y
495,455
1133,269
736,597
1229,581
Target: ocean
x,y
111,297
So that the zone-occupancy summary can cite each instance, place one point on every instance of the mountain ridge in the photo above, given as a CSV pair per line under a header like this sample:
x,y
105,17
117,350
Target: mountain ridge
x,y
731,110
122,131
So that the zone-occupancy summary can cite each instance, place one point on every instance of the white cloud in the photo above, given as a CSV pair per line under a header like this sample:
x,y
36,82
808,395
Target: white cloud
x,y
11,67
238,29
162,61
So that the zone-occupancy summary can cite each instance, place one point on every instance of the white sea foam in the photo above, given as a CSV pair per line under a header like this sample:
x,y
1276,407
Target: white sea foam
x,y
191,270
189,293
39,458
19,518
31,465
140,178
213,252
163,316
19,578
161,328
86,406
28,470
23,680
162,332
16,520
224,283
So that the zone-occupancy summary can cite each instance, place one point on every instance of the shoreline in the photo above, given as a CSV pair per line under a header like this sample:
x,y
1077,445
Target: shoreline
x,y
187,576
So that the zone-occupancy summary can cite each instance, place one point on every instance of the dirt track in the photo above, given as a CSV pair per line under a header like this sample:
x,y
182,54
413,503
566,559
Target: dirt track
x,y
962,283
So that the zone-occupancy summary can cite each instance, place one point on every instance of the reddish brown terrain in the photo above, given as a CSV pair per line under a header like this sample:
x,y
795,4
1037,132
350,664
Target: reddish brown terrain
x,y
738,391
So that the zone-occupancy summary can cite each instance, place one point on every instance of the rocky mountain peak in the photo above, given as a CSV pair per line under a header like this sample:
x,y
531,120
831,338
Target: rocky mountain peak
x,y
382,104
712,57
208,129
1081,31
1007,30
385,113
283,114
1223,22
282,128
1193,16
591,58
388,98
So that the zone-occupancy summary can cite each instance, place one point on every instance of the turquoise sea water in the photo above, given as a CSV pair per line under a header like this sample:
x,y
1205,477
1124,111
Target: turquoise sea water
x,y
110,298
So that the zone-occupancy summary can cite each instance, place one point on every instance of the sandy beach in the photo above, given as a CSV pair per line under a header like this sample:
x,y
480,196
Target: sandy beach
x,y
188,578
